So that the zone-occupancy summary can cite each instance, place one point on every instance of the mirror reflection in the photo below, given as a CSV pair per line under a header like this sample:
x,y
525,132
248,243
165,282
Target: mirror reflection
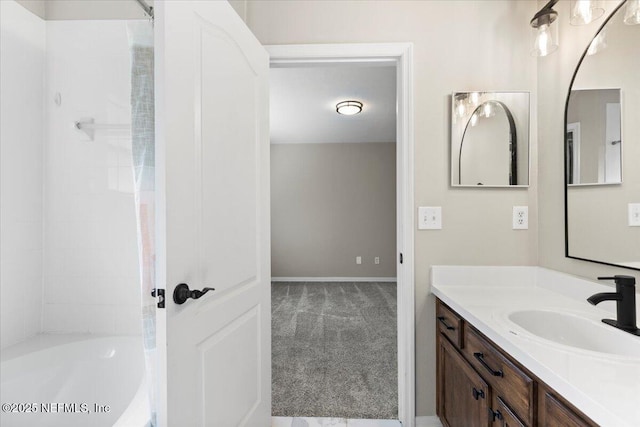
x,y
594,140
603,147
490,139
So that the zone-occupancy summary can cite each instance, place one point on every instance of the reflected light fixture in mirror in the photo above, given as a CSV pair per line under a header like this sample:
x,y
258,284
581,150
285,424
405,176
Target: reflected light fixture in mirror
x,y
349,108
599,43
585,11
545,30
632,12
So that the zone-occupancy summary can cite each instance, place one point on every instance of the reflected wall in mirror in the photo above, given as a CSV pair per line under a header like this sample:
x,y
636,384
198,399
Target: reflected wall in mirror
x,y
600,224
594,140
490,139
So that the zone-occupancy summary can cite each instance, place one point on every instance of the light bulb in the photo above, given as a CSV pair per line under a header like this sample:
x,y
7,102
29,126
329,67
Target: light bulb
x,y
542,41
487,110
474,97
598,43
474,119
632,12
460,110
545,40
585,11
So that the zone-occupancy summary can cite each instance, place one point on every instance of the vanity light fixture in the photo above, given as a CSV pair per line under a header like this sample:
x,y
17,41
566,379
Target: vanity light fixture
x,y
349,108
585,11
545,32
632,12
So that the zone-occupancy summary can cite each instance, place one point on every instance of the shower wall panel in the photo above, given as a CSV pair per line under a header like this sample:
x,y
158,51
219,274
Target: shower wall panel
x,y
91,270
22,41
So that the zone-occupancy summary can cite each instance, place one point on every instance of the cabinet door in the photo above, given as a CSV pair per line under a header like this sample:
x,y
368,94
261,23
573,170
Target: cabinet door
x,y
463,396
504,416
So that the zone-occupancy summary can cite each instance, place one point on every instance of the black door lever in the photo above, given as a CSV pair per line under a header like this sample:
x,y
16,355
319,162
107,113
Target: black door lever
x,y
182,293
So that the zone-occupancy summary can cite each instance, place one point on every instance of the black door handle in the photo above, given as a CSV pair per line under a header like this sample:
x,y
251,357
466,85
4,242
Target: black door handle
x,y
182,293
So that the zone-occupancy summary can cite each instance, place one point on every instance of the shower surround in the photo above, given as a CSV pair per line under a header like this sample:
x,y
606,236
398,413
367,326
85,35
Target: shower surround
x,y
68,223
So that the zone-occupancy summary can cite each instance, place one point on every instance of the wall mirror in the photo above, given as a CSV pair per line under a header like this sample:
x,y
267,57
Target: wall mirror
x,y
594,141
490,139
602,148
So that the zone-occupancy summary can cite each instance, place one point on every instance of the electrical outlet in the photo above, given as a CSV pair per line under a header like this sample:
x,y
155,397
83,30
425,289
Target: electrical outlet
x,y
430,218
376,260
520,217
634,214
358,260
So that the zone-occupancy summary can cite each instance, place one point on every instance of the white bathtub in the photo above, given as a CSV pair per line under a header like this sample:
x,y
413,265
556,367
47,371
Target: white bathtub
x,y
68,375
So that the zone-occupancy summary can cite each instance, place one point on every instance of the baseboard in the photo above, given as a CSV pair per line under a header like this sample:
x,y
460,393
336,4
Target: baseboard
x,y
334,279
432,421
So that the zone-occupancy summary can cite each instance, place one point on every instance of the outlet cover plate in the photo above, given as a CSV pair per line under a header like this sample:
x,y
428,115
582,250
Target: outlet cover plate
x,y
520,217
634,214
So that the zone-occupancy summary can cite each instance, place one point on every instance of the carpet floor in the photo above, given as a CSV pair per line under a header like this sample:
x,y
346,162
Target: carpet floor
x,y
334,350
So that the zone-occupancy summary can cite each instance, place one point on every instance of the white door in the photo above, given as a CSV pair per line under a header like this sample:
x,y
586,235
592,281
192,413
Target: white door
x,y
213,198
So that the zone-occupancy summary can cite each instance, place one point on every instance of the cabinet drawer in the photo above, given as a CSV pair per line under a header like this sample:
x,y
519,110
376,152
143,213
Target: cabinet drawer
x,y
449,323
554,413
510,383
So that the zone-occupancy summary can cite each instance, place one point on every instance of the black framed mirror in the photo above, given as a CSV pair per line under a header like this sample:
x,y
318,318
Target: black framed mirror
x,y
490,139
602,148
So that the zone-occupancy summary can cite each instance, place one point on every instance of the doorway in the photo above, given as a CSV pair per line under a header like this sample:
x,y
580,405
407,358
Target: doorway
x,y
397,56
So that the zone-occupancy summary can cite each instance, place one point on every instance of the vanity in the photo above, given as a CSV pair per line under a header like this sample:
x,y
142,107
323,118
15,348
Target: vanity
x,y
521,346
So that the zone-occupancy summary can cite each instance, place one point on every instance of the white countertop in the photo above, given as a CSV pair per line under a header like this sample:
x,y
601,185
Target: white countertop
x,y
604,387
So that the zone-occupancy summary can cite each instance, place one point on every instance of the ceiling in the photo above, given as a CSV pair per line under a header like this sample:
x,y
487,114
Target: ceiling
x,y
303,104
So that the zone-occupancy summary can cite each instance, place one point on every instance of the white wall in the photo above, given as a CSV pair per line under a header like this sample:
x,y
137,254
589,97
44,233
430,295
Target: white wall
x,y
91,270
458,46
22,43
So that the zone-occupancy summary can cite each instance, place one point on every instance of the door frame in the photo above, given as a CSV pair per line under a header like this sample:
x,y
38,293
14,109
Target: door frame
x,y
400,54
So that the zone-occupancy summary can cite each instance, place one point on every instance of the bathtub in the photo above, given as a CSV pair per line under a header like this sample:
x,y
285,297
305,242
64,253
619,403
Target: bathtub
x,y
74,380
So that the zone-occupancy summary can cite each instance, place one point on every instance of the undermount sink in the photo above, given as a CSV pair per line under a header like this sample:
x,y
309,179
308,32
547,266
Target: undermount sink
x,y
573,330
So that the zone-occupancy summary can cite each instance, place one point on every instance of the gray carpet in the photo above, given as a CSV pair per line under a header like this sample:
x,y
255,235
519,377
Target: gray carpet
x,y
334,350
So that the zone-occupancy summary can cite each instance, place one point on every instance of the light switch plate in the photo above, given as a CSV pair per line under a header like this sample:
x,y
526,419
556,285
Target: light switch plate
x,y
430,218
520,217
634,214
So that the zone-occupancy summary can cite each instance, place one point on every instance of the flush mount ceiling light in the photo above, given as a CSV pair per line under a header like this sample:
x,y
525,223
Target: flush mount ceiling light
x,y
585,11
349,108
545,33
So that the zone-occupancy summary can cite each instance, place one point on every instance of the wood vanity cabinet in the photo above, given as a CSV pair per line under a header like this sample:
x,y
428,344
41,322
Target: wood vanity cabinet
x,y
478,384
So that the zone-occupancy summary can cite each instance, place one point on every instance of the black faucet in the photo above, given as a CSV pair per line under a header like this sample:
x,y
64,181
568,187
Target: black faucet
x,y
625,295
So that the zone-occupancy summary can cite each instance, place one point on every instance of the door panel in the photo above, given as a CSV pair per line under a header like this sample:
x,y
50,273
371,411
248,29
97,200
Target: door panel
x,y
213,182
463,395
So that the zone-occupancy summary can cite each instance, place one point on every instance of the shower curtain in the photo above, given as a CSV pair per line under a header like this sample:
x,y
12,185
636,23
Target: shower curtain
x,y
143,150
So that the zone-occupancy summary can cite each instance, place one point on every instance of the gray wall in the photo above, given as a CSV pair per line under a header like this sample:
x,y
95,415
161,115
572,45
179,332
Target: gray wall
x,y
458,46
329,204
